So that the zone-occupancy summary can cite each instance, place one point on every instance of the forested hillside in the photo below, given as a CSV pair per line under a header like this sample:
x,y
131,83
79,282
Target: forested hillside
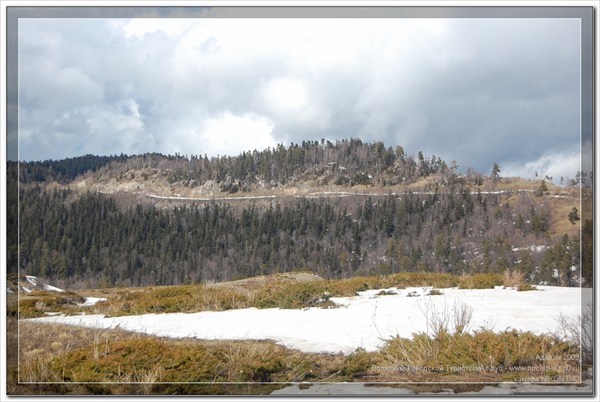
x,y
76,235
347,162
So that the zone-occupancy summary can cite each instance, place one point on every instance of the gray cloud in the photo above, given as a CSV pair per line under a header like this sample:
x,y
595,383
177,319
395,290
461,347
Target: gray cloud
x,y
477,91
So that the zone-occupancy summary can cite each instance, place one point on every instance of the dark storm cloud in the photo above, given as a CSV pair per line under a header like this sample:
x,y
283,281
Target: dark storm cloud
x,y
477,91
512,93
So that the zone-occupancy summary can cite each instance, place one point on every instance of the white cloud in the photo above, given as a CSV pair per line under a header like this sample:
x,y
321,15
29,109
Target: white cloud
x,y
451,87
225,134
138,28
108,130
107,122
555,165
57,87
285,96
292,104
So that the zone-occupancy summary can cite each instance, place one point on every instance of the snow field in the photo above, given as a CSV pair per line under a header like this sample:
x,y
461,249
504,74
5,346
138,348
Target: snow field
x,y
364,321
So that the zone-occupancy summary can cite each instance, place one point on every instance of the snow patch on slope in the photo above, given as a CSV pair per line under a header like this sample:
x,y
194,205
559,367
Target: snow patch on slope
x,y
31,279
36,285
52,288
363,321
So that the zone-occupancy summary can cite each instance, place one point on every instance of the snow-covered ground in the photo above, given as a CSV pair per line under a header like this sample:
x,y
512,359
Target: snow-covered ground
x,y
364,321
92,301
536,249
51,288
31,279
33,282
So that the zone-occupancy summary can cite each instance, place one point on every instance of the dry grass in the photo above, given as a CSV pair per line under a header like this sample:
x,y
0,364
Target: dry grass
x,y
37,303
141,364
449,349
484,354
282,291
559,213
155,364
513,279
559,202
36,350
579,330
479,281
172,299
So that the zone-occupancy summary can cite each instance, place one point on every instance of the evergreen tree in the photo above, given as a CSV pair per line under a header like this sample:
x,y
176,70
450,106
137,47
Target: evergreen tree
x,y
495,172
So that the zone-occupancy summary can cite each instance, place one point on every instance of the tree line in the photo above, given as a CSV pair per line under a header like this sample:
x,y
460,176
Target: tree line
x,y
95,239
90,241
345,162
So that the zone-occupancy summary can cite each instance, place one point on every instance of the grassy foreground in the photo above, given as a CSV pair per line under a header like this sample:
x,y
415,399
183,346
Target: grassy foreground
x,y
59,359
96,361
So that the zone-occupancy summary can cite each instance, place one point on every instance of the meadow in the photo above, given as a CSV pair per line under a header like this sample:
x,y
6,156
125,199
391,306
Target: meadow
x,y
54,358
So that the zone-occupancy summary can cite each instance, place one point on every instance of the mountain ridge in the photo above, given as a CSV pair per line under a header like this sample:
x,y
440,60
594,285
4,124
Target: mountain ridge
x,y
337,210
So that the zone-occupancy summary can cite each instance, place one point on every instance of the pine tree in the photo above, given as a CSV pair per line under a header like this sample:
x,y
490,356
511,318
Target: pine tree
x,y
574,215
495,172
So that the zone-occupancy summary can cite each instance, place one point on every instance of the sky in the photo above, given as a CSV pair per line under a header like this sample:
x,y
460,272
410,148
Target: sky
x,y
477,91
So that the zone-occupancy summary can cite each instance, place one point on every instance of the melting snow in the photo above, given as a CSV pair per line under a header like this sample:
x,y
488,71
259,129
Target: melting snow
x,y
537,249
91,301
52,288
31,279
364,321
52,314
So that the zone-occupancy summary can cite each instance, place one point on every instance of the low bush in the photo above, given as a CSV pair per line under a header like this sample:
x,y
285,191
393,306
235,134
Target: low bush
x,y
503,353
480,281
113,356
36,303
513,279
356,365
449,347
292,295
173,299
274,293
437,280
525,287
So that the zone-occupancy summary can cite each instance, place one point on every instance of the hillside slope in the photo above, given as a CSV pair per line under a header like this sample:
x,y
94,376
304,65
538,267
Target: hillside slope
x,y
338,210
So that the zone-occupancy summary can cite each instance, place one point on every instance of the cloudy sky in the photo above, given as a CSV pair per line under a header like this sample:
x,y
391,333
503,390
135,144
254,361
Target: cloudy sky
x,y
477,91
